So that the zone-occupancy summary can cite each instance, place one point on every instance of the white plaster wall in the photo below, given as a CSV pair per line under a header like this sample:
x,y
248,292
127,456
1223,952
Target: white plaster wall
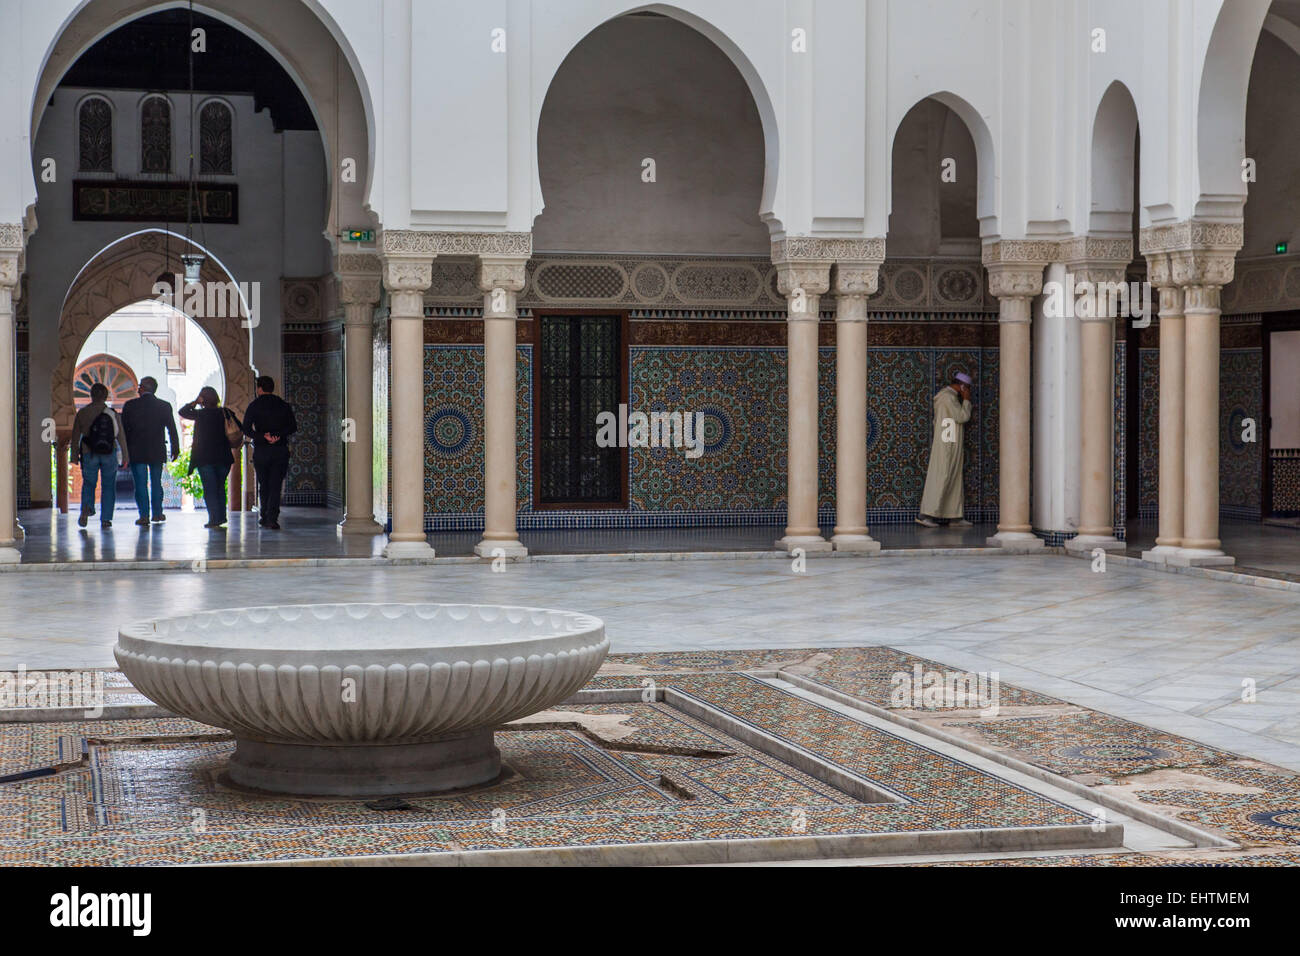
x,y
1273,140
444,129
1284,386
652,88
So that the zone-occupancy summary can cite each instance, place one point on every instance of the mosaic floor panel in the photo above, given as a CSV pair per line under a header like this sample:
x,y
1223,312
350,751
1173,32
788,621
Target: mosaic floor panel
x,y
149,790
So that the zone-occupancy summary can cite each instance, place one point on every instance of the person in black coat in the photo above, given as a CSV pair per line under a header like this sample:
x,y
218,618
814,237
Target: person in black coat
x,y
269,422
210,453
146,420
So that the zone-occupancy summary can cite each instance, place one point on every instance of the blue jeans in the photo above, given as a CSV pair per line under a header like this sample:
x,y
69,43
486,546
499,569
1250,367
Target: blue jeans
x,y
148,481
92,468
214,491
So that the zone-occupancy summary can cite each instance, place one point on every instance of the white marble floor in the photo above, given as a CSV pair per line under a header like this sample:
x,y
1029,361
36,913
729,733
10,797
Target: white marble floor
x,y
1168,651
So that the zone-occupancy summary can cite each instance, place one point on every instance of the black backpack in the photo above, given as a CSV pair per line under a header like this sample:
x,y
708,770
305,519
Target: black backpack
x,y
102,434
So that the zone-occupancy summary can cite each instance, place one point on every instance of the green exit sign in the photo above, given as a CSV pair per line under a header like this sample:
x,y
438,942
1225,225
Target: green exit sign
x,y
1280,248
359,235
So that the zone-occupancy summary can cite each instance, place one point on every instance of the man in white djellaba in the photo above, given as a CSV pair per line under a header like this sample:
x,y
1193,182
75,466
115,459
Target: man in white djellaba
x,y
942,500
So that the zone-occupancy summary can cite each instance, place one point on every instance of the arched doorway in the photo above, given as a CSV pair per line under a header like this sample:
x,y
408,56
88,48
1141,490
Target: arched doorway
x,y
931,318
139,340
658,197
125,273
295,183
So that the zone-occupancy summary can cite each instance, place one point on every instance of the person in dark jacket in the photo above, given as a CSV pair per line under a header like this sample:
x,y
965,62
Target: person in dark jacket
x,y
96,433
146,420
210,452
269,422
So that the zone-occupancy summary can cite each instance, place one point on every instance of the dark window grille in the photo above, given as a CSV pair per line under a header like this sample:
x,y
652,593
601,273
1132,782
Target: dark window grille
x,y
156,136
95,136
580,376
216,140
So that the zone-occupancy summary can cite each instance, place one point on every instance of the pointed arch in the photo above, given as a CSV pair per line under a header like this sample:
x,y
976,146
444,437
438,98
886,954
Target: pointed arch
x,y
769,206
987,200
1114,141
123,273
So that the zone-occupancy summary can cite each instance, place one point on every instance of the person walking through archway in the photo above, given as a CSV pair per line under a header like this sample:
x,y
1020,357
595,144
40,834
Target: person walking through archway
x,y
146,420
216,429
96,432
269,421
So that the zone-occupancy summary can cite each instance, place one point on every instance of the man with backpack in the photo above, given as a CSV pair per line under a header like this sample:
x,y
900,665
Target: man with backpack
x,y
96,433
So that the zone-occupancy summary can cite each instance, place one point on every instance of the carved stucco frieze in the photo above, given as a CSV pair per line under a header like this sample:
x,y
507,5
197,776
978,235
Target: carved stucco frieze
x,y
11,237
358,263
1095,249
1192,234
1023,252
1098,273
871,249
414,242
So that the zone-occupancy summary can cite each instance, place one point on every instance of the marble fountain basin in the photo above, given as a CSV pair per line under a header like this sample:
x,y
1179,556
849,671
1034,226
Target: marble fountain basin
x,y
362,699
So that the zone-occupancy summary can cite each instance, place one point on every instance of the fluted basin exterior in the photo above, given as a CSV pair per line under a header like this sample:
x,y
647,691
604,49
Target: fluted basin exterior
x,y
352,675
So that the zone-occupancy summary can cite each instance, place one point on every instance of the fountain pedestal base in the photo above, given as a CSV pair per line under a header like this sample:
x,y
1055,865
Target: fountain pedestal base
x,y
366,770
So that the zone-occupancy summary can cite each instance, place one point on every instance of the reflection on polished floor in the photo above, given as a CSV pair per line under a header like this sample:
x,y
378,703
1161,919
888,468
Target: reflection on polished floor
x,y
313,533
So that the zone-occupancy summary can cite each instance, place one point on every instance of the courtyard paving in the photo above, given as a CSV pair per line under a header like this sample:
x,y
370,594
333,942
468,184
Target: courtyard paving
x,y
1171,652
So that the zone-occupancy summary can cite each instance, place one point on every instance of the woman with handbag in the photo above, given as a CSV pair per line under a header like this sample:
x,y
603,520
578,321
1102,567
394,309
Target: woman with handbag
x,y
216,431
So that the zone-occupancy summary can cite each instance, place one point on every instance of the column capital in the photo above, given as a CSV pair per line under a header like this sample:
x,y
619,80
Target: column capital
x,y
502,272
813,278
856,278
1015,280
360,290
1202,267
408,275
12,245
1159,272
1197,253
9,271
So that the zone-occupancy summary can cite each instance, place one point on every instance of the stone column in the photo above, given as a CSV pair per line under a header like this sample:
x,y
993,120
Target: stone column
x,y
1201,274
359,294
406,275
854,281
1015,284
1169,533
1097,314
802,283
9,553
500,279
